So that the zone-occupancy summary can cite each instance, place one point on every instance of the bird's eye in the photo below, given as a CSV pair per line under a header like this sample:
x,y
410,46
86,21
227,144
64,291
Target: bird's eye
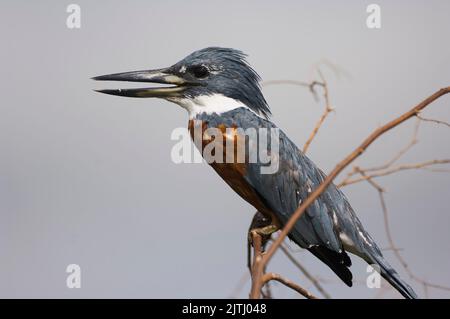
x,y
200,71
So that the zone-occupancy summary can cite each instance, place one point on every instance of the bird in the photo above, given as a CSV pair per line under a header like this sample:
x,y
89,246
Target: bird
x,y
222,93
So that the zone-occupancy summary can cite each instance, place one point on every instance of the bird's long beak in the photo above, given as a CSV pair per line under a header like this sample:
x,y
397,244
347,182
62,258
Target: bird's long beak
x,y
162,76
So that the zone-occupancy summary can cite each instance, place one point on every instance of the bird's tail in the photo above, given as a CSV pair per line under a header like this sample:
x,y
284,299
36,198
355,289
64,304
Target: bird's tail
x,y
389,273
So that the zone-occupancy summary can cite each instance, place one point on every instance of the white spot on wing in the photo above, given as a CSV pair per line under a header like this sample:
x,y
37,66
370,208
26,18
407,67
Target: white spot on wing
x,y
364,237
346,240
335,219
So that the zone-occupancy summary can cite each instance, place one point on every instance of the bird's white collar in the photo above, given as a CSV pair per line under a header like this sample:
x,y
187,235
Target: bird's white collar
x,y
214,103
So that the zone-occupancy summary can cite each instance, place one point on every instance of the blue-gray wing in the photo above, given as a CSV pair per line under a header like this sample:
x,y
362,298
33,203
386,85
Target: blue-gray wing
x,y
327,221
329,227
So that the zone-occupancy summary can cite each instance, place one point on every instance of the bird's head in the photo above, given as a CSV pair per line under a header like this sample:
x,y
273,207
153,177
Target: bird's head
x,y
209,80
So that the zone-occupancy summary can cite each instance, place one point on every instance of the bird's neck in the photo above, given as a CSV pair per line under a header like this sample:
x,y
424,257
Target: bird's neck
x,y
214,103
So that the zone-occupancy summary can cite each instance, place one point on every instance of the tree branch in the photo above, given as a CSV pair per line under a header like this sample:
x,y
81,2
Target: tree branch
x,y
432,120
403,151
311,85
260,278
272,276
391,170
328,110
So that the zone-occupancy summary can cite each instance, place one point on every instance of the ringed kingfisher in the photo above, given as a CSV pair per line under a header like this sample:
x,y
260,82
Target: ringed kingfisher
x,y
220,90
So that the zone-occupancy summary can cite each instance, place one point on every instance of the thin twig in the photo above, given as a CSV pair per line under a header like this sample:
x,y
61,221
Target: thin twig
x,y
259,276
392,170
282,82
403,151
433,120
272,276
328,110
311,85
414,140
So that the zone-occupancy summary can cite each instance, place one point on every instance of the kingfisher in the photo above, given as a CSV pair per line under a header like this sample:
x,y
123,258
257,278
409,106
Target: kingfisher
x,y
222,93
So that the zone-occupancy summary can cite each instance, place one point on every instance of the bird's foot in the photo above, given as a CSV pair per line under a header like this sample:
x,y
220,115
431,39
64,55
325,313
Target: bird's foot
x,y
262,226
265,231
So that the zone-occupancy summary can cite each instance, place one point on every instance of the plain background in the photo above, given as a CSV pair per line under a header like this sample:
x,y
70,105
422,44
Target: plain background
x,y
87,178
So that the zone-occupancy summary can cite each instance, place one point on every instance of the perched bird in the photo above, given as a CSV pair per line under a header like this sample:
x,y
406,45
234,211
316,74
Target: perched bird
x,y
221,91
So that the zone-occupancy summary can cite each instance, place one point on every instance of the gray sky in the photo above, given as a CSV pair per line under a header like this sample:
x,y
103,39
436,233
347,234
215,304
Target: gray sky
x,y
88,179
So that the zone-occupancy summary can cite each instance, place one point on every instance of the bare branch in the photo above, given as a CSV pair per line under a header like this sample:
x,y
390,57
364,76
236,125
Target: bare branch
x,y
328,110
391,170
262,279
403,151
311,85
438,170
414,141
290,82
432,120
272,276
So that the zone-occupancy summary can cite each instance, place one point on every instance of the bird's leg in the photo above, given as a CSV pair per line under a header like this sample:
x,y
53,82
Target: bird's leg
x,y
262,226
